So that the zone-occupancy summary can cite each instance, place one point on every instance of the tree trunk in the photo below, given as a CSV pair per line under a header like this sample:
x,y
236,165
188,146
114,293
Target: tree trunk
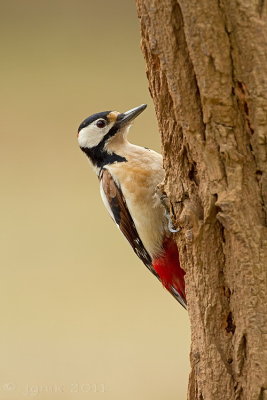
x,y
207,72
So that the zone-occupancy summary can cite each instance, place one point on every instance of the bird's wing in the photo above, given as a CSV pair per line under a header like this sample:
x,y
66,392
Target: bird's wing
x,y
115,203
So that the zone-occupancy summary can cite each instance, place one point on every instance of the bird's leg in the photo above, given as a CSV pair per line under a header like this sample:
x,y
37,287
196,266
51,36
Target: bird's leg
x,y
167,206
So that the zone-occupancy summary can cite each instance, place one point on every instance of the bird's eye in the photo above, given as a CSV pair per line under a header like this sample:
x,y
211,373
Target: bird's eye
x,y
101,123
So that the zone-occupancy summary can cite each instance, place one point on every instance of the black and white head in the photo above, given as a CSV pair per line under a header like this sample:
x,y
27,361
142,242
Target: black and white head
x,y
97,131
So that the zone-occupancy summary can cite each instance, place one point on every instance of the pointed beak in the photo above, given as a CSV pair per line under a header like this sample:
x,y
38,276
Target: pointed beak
x,y
125,118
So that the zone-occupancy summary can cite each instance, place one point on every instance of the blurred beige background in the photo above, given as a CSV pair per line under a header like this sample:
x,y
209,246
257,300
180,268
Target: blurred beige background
x,y
79,311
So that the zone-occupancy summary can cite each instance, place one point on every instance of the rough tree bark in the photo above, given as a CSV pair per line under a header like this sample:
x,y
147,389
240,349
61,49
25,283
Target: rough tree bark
x,y
207,71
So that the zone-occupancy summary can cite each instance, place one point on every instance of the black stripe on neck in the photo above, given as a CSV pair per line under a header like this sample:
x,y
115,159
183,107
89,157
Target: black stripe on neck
x,y
99,157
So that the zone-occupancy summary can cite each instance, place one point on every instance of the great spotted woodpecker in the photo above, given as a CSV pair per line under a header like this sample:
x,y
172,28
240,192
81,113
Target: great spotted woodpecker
x,y
129,176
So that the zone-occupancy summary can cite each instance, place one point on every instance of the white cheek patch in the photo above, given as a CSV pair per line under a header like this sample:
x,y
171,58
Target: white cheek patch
x,y
91,135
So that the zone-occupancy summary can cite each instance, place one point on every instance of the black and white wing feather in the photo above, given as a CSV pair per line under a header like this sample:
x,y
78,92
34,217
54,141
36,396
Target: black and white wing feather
x,y
115,203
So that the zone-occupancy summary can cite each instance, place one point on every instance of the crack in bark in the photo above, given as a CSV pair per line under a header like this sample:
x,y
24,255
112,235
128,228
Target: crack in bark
x,y
230,324
242,96
241,354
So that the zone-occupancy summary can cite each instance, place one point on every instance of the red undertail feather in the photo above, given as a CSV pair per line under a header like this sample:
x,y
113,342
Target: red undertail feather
x,y
168,268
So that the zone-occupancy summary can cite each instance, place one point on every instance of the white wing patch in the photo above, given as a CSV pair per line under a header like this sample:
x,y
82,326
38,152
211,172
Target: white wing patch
x,y
106,203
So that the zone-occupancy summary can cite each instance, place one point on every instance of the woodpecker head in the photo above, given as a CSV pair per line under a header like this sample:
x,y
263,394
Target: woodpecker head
x,y
96,131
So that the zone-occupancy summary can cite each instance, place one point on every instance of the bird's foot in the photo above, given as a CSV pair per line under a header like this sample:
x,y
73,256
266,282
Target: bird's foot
x,y
171,226
167,206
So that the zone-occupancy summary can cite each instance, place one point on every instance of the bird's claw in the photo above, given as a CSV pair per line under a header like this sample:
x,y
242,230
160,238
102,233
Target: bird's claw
x,y
170,223
167,206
